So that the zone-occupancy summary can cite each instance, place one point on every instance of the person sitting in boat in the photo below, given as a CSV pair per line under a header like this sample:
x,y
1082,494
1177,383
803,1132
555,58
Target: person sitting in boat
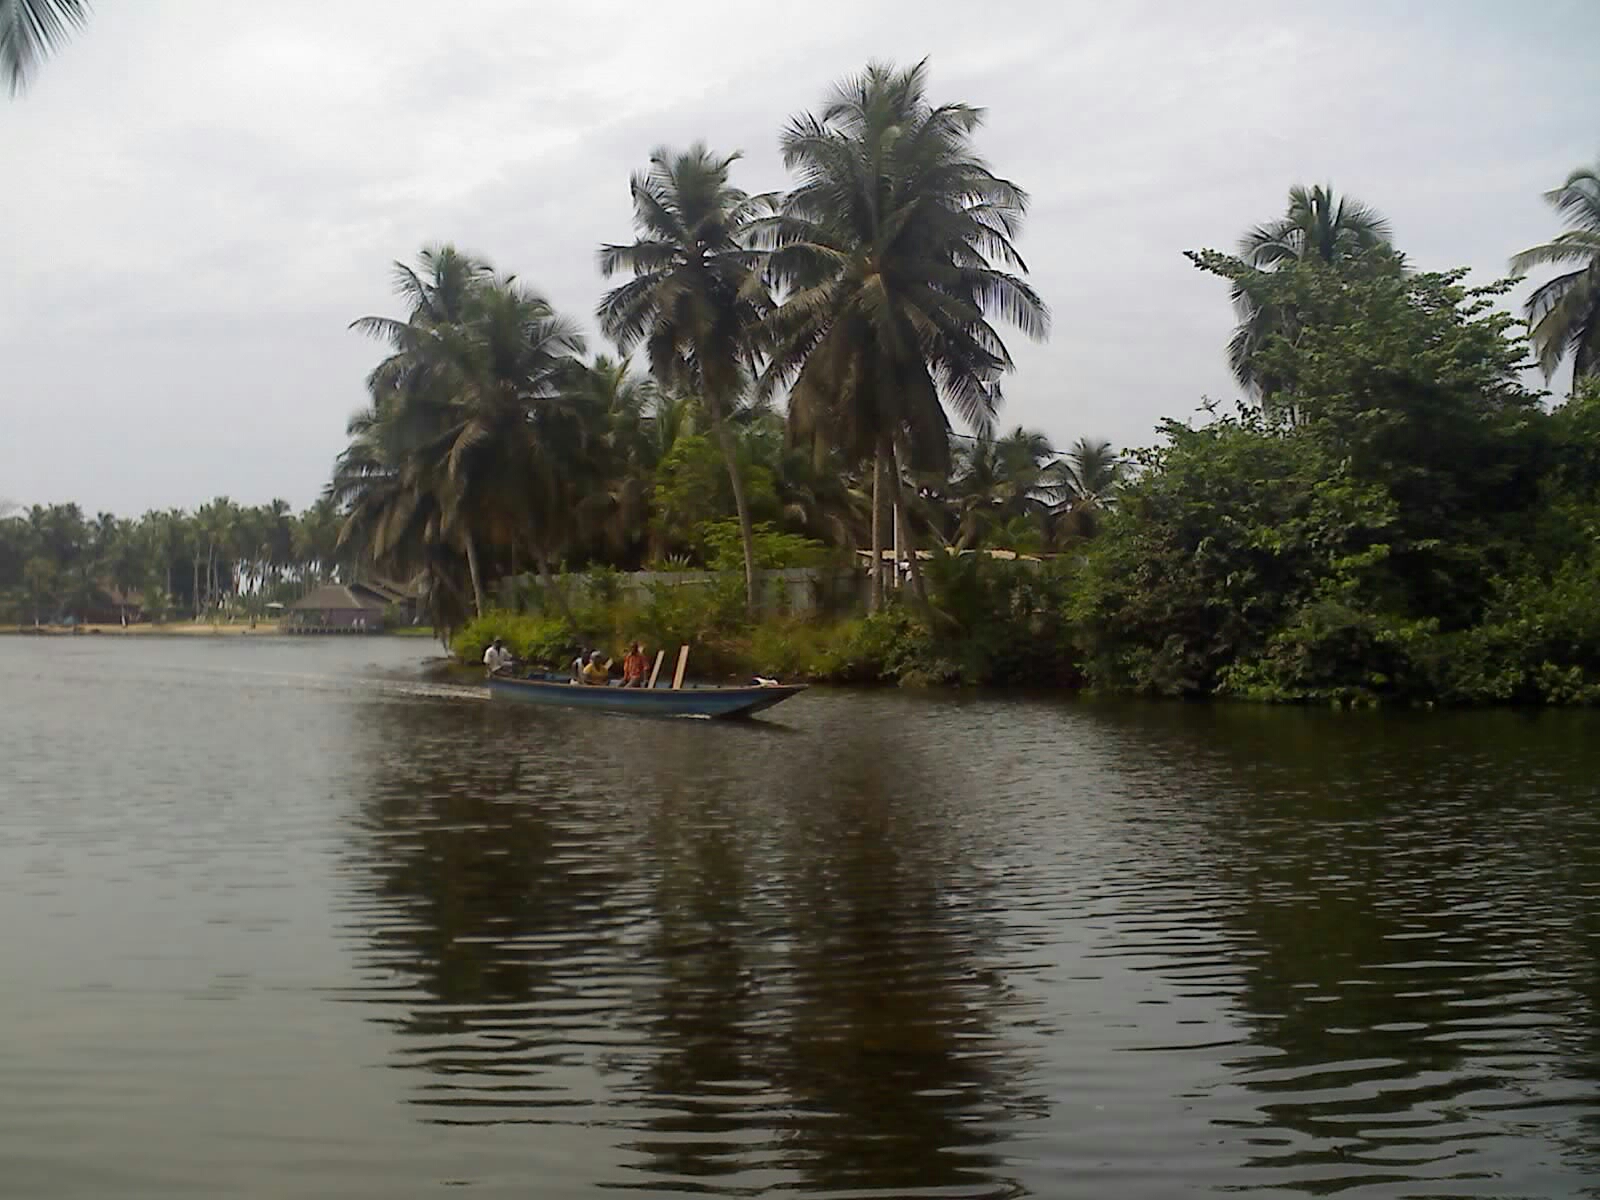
x,y
595,672
497,659
634,667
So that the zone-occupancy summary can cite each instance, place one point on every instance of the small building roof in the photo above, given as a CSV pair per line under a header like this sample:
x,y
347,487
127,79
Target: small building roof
x,y
334,596
387,594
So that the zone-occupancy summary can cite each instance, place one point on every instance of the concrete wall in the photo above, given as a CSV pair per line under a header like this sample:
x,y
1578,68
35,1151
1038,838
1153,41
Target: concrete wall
x,y
797,590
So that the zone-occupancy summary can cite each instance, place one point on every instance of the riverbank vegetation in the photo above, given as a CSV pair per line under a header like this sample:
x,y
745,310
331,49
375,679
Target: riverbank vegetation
x,y
1388,511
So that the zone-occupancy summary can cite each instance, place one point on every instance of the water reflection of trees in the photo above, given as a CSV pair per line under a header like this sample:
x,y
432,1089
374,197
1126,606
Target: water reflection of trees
x,y
762,964
818,985
897,1057
477,900
1397,895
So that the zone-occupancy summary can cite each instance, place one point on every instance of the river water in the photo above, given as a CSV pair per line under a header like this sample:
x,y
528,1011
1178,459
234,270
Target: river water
x,y
287,919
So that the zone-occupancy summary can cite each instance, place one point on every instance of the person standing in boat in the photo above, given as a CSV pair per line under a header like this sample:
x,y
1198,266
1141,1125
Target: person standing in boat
x,y
634,666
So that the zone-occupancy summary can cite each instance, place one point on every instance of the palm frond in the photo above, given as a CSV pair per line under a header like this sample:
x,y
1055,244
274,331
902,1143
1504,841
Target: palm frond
x,y
31,30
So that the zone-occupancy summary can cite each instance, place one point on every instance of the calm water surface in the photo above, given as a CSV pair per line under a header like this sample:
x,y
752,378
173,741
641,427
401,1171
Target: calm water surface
x,y
285,919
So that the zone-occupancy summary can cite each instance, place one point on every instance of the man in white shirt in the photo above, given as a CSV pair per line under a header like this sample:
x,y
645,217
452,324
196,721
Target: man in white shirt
x,y
497,658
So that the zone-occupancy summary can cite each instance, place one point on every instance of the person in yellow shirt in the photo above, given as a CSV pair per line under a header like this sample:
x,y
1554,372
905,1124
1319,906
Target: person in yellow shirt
x,y
596,673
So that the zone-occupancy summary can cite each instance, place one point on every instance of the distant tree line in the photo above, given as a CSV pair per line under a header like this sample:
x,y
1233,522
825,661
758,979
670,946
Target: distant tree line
x,y
222,559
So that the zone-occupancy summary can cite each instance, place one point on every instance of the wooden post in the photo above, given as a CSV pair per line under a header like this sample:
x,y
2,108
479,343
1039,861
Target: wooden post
x,y
656,670
683,665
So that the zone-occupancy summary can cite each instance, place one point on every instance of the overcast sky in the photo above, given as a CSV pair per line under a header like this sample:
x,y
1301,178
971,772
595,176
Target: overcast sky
x,y
199,195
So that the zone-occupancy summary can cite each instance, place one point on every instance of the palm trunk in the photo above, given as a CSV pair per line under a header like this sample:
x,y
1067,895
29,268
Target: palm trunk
x,y
875,568
746,531
194,594
477,580
908,542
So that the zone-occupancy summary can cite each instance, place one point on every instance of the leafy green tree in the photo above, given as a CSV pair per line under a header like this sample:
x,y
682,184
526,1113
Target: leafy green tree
x,y
1325,558
886,251
1319,227
40,587
1564,313
696,296
692,489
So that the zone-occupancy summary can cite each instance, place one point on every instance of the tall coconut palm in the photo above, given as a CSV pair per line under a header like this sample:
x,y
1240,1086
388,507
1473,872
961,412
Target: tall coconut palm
x,y
393,517
696,296
887,250
414,386
472,438
278,537
1564,314
997,482
1082,485
622,410
30,30
515,451
1318,227
317,541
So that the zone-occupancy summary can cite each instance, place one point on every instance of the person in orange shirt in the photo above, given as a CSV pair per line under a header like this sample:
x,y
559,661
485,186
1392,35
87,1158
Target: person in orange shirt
x,y
633,666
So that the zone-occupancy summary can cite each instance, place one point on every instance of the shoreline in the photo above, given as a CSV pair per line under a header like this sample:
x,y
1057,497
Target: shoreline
x,y
190,629
145,629
176,629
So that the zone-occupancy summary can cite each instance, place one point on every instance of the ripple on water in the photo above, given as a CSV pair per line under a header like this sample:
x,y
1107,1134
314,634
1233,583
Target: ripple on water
x,y
296,920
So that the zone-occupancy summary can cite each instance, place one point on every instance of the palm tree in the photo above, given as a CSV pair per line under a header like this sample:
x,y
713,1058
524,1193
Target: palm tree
x,y
278,534
886,250
1318,227
513,450
392,518
217,526
471,438
822,496
999,481
412,390
625,414
1564,314
163,537
317,542
32,29
1083,484
696,296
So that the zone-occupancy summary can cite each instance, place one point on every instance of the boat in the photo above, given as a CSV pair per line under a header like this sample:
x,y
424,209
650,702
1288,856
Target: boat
x,y
689,701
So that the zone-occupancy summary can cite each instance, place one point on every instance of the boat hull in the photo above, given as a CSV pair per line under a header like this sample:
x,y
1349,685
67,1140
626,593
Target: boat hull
x,y
663,702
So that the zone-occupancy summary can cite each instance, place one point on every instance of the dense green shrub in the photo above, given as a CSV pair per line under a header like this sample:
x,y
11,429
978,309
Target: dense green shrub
x,y
999,622
540,640
1398,520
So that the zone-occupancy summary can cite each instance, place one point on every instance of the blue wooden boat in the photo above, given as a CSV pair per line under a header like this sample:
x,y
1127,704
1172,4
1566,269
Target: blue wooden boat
x,y
702,701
